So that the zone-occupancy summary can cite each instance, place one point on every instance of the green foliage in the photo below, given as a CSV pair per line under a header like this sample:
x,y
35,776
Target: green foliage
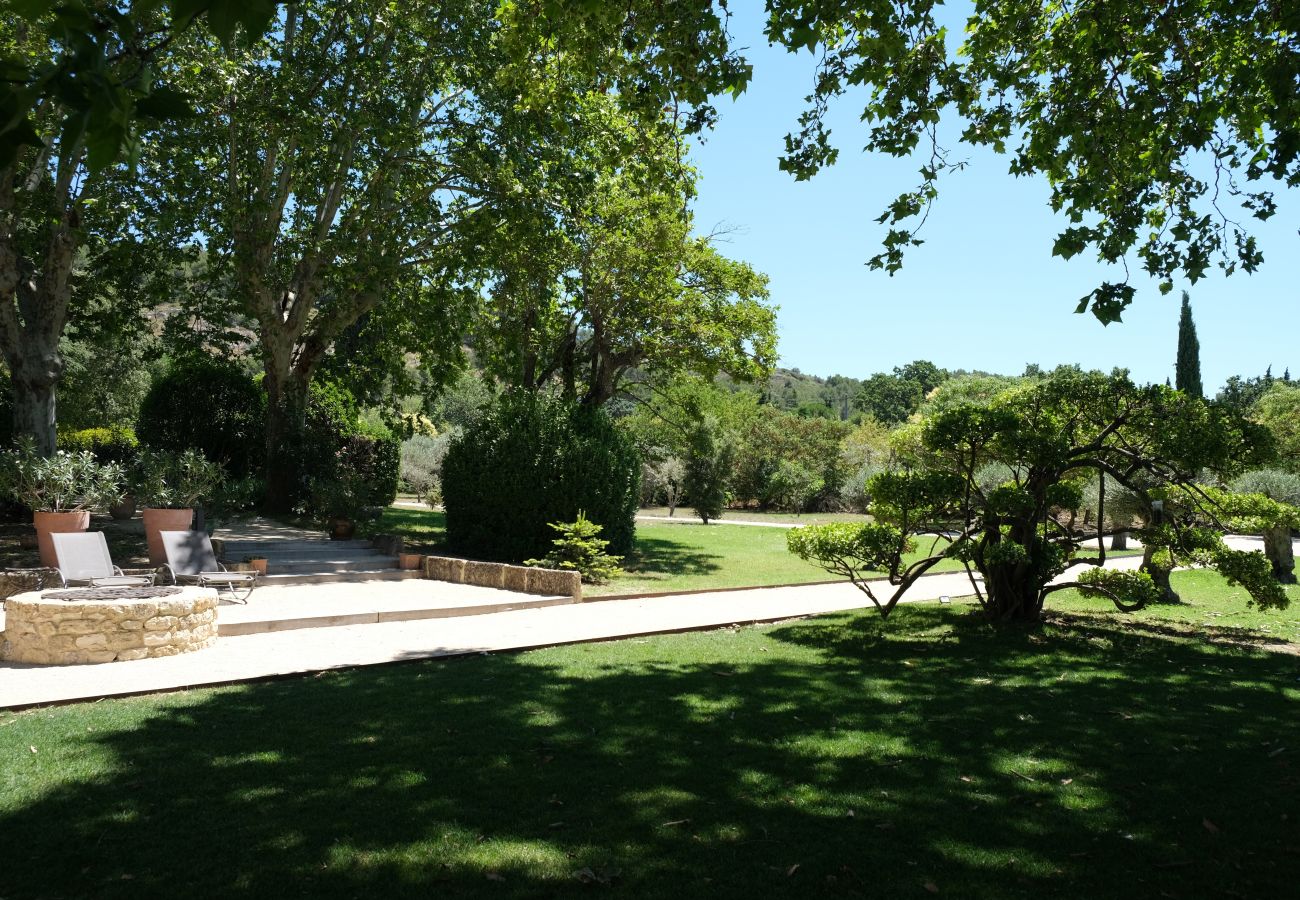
x,y
891,398
1131,590
62,482
1006,475
209,405
1187,367
169,480
373,455
1253,572
848,548
581,549
793,486
1275,484
116,445
531,460
1278,410
709,454
1115,105
421,465
342,495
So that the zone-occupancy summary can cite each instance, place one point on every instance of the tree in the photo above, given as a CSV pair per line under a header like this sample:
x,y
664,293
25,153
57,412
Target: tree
x,y
891,398
331,171
1278,410
1020,530
605,277
55,223
1143,119
708,468
1187,368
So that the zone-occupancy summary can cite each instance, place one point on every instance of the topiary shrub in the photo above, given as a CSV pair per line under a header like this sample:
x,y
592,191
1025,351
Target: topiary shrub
x,y
209,405
532,460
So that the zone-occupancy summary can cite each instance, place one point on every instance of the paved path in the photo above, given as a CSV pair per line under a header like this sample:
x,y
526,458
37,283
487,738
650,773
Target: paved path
x,y
234,659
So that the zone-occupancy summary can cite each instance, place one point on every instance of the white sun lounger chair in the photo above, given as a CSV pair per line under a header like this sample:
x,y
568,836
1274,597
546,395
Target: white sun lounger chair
x,y
83,558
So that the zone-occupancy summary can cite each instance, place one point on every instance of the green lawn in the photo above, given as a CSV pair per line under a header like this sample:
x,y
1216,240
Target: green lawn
x,y
686,513
835,756
668,557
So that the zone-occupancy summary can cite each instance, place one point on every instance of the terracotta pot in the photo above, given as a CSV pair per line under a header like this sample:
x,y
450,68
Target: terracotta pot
x,y
408,560
48,523
123,510
156,520
342,529
259,566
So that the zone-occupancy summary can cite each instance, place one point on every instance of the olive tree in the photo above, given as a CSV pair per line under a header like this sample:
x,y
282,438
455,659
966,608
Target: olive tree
x,y
1015,535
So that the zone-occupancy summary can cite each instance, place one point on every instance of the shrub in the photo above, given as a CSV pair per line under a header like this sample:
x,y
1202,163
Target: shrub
x,y
374,456
1275,484
792,487
208,405
532,460
581,549
175,480
64,482
109,445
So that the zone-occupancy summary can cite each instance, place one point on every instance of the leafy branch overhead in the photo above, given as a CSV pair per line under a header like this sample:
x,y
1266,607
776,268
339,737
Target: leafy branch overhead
x,y
1158,126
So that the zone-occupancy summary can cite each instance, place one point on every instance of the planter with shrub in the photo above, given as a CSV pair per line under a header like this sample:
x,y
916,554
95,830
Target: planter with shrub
x,y
169,486
61,490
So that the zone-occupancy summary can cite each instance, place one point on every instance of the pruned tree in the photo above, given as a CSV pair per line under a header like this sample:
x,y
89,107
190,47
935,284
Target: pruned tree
x,y
1020,532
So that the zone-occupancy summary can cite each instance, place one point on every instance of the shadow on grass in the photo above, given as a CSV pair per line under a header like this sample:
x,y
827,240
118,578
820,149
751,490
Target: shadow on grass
x,y
656,556
828,757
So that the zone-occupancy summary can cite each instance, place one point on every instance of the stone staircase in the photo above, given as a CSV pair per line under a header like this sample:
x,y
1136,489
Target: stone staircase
x,y
302,557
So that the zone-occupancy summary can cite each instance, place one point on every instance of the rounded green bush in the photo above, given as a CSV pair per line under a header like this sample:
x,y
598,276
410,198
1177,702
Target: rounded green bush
x,y
532,460
208,405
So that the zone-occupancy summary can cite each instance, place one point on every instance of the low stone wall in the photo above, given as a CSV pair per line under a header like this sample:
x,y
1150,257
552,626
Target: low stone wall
x,y
69,632
521,579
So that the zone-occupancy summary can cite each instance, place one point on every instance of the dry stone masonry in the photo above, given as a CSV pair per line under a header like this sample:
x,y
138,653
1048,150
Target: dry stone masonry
x,y
69,632
523,579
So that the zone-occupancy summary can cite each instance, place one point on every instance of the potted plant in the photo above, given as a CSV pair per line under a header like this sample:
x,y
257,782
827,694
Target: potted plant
x,y
168,486
258,563
61,490
339,501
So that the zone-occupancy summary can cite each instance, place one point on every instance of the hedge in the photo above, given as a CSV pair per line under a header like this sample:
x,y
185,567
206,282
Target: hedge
x,y
208,405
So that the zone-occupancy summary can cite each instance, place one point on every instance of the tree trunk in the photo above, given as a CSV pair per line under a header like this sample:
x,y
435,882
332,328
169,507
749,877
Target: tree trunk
x,y
34,379
286,415
1280,553
1160,575
1119,540
1012,594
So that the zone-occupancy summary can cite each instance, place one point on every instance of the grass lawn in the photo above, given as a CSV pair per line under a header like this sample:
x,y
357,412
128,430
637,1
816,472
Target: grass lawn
x,y
668,557
835,756
686,513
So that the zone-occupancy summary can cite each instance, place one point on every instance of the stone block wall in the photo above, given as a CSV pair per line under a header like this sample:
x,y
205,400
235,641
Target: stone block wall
x,y
522,579
59,632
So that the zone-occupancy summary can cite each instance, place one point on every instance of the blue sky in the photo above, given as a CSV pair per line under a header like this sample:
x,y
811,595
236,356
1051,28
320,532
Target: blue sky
x,y
984,291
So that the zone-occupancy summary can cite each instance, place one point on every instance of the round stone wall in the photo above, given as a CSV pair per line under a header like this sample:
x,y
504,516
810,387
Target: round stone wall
x,y
69,632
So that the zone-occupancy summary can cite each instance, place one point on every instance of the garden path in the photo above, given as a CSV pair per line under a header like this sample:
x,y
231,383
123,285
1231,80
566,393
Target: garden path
x,y
266,655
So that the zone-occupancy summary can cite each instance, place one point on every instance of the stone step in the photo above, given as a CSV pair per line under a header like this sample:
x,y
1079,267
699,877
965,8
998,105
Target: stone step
x,y
349,576
335,564
371,617
262,546
306,553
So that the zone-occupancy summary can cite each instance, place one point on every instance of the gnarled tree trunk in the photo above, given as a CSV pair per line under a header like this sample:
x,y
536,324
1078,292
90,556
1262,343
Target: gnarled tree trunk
x,y
1280,553
1160,575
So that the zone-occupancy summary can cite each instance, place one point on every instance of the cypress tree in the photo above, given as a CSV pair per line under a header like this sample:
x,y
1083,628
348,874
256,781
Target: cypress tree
x,y
1187,369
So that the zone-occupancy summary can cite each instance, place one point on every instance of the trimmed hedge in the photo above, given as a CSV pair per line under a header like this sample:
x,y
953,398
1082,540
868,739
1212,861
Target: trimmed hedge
x,y
110,445
208,405
532,460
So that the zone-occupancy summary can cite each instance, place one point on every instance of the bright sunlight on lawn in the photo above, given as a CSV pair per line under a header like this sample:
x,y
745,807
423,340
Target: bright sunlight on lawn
x,y
837,756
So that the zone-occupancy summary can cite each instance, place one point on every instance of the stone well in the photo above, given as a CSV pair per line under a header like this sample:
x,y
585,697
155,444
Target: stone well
x,y
41,629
